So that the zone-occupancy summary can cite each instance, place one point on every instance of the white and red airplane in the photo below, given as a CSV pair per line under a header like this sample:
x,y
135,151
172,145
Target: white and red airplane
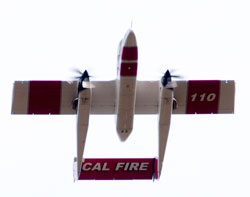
x,y
123,97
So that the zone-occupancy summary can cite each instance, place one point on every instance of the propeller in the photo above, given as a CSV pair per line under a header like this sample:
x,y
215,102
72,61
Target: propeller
x,y
167,82
78,72
83,78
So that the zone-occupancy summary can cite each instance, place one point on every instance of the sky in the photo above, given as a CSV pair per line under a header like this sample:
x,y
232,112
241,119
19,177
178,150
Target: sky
x,y
207,155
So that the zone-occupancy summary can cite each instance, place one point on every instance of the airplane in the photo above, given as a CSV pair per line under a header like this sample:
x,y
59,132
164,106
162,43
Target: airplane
x,y
123,97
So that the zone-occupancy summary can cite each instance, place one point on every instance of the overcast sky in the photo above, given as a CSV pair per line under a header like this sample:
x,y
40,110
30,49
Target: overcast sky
x,y
207,155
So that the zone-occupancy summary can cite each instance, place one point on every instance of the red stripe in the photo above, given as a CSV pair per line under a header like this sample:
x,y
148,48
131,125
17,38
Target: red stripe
x,y
203,97
156,168
44,97
118,169
128,69
129,53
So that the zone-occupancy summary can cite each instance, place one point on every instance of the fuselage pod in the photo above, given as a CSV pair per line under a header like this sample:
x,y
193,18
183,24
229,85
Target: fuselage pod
x,y
126,85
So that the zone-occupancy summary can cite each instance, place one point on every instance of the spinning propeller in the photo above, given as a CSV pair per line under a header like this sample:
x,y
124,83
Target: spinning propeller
x,y
166,80
83,78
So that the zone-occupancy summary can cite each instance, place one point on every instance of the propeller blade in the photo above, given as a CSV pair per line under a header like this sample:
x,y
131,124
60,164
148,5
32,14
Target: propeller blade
x,y
77,71
176,76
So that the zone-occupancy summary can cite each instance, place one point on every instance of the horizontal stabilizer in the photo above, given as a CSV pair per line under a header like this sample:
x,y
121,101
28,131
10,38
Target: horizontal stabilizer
x,y
118,169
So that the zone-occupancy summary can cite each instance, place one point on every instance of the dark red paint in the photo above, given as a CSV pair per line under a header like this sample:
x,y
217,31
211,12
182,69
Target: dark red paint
x,y
200,103
44,97
109,173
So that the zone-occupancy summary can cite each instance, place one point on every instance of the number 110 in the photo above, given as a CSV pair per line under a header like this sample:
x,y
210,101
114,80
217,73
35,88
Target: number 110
x,y
203,97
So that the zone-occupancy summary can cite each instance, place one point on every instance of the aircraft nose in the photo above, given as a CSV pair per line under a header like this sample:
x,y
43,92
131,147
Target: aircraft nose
x,y
130,40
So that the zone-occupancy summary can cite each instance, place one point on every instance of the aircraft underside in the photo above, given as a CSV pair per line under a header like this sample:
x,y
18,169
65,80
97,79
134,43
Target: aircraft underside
x,y
123,97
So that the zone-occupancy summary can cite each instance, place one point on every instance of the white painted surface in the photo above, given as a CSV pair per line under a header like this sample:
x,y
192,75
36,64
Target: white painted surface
x,y
165,113
206,155
126,92
83,112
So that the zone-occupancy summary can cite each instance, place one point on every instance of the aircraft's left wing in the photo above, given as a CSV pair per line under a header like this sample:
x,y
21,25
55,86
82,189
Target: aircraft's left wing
x,y
56,97
44,97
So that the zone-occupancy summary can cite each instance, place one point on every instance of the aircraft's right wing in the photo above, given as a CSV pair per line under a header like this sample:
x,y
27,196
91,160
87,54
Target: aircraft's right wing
x,y
192,97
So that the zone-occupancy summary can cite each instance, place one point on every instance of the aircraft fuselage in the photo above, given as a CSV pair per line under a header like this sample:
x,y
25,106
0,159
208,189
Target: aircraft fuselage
x,y
126,85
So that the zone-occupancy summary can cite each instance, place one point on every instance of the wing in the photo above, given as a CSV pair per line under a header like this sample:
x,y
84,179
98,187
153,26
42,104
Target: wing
x,y
191,97
205,97
44,97
103,99
56,97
